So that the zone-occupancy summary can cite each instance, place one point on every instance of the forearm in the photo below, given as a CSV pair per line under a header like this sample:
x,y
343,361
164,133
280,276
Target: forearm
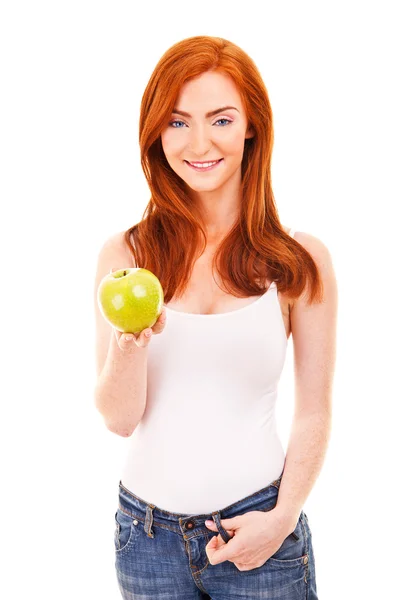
x,y
305,455
121,389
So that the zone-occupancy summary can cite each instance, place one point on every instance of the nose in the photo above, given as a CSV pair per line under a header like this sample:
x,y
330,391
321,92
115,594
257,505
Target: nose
x,y
200,143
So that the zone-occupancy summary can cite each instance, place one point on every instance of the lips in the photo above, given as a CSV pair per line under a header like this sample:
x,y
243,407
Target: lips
x,y
204,169
203,162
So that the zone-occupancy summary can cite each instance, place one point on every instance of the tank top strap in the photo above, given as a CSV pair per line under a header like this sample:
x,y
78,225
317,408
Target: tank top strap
x,y
292,232
134,246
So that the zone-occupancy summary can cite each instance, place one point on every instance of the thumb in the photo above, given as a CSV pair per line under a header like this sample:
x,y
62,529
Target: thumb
x,y
222,551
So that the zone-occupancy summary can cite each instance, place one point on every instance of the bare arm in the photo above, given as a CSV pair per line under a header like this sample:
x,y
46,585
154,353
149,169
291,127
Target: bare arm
x,y
121,389
314,341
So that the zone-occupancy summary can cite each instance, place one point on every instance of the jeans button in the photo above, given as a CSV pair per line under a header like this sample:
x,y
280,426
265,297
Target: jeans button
x,y
189,524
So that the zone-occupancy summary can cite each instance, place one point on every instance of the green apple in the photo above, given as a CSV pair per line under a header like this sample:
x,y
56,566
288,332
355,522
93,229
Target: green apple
x,y
130,299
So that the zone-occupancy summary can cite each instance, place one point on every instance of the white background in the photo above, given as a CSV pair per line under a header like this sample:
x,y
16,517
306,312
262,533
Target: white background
x,y
72,77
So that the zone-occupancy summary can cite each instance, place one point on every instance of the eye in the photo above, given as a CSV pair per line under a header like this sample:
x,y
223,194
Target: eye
x,y
223,119
176,121
172,122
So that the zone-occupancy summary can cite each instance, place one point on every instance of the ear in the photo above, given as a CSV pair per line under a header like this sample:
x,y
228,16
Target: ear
x,y
250,132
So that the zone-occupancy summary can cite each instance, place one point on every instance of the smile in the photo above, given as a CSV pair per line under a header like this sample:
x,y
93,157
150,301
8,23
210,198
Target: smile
x,y
209,166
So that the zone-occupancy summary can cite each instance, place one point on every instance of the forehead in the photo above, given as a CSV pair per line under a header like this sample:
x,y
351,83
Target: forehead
x,y
208,91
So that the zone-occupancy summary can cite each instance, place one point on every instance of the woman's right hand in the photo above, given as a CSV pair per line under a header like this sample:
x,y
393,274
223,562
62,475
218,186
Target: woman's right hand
x,y
140,339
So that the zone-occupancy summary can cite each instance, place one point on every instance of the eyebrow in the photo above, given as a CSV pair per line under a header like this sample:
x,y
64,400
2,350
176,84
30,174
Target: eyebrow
x,y
208,114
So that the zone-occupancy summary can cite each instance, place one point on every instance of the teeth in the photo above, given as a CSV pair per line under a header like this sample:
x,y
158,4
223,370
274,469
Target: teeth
x,y
204,165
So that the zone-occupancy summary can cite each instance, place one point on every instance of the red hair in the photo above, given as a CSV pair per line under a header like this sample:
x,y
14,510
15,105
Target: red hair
x,y
168,239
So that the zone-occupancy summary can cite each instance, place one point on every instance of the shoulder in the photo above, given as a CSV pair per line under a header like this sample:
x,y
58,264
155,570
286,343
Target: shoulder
x,y
307,240
317,249
116,246
324,261
314,245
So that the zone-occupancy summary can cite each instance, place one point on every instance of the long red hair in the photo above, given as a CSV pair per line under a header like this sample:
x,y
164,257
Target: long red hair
x,y
168,239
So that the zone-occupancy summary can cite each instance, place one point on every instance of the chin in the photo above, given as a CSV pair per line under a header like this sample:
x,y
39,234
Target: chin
x,y
199,189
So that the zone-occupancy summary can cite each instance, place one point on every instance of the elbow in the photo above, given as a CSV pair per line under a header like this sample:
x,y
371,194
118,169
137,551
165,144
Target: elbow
x,y
120,429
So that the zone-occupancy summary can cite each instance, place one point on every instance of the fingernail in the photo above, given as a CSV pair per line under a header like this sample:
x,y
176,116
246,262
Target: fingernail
x,y
208,523
148,333
128,337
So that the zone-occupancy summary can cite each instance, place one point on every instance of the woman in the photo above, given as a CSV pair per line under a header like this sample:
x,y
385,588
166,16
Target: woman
x,y
209,504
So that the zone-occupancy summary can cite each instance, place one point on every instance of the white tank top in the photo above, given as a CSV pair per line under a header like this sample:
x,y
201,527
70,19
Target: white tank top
x,y
208,436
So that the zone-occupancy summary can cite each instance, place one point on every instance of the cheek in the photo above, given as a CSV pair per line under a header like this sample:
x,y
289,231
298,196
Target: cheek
x,y
239,140
172,144
232,143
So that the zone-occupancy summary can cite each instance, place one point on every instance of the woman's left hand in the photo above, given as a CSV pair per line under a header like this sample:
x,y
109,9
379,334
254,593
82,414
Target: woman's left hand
x,y
257,536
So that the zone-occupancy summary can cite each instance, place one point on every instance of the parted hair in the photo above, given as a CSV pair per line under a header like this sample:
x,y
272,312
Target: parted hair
x,y
171,235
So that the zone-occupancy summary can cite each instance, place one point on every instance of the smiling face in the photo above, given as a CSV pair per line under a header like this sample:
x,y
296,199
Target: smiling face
x,y
198,136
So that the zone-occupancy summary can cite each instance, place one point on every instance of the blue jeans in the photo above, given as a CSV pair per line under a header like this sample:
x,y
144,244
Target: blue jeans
x,y
161,555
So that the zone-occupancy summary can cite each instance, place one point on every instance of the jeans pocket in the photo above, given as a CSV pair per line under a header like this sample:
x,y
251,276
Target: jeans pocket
x,y
124,533
292,551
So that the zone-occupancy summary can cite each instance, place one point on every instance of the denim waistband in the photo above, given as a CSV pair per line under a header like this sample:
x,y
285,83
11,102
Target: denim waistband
x,y
190,525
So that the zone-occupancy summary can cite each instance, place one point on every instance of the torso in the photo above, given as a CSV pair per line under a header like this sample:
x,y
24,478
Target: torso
x,y
203,296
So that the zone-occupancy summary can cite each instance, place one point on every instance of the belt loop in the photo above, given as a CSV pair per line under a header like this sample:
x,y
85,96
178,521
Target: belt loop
x,y
277,482
148,520
225,536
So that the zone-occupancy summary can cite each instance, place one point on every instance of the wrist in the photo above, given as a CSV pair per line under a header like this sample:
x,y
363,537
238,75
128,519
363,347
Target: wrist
x,y
288,518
